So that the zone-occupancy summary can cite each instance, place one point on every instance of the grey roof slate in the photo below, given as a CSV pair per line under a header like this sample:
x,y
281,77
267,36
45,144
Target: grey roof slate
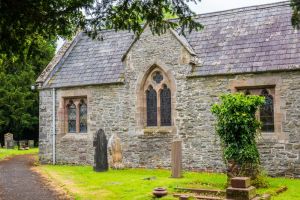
x,y
93,61
246,40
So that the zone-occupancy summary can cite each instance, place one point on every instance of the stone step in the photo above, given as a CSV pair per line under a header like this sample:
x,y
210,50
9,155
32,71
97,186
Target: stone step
x,y
201,197
206,191
241,193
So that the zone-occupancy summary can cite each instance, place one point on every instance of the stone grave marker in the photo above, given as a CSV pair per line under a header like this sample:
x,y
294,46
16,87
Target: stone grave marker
x,y
100,156
23,144
115,152
176,159
240,189
9,141
30,143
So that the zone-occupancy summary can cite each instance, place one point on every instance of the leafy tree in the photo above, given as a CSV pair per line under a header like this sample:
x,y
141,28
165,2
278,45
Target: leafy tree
x,y
237,128
18,103
296,13
21,20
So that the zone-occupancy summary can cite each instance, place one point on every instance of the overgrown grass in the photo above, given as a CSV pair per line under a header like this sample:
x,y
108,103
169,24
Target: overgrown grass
x,y
136,184
4,153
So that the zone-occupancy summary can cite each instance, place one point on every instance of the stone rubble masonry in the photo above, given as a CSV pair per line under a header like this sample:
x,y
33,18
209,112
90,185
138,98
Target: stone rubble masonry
x,y
115,109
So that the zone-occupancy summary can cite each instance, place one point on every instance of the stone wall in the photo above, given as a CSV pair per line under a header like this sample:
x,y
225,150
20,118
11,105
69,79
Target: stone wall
x,y
45,126
116,109
279,150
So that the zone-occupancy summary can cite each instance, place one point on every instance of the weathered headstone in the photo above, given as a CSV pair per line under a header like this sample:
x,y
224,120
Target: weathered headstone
x,y
115,152
23,144
30,143
100,156
176,159
9,141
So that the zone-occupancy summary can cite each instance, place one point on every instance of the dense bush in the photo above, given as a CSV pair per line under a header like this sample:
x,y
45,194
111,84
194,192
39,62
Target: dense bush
x,y
237,127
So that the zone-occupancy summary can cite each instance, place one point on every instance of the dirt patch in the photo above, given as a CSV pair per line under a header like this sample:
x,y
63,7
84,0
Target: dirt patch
x,y
19,181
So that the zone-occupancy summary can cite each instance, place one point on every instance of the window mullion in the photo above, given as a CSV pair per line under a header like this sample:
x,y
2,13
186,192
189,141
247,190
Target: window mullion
x,y
158,109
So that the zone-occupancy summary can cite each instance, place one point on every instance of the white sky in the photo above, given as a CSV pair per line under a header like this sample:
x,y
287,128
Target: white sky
x,y
206,6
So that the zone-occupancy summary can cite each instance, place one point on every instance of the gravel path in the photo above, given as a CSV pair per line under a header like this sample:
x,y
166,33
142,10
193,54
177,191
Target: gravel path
x,y
19,182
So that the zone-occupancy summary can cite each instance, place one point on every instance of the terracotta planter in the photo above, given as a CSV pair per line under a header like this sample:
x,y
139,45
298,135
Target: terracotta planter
x,y
159,192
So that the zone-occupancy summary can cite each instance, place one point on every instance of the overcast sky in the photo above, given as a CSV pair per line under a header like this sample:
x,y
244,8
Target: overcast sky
x,y
216,5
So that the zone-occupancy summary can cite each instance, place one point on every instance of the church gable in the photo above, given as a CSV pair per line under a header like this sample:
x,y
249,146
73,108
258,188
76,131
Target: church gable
x,y
246,40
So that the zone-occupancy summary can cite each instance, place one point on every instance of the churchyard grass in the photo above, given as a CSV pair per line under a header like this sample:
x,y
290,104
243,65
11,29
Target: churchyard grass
x,y
137,184
5,153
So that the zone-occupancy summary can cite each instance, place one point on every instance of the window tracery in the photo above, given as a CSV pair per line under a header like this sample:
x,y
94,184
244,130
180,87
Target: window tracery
x,y
76,115
157,99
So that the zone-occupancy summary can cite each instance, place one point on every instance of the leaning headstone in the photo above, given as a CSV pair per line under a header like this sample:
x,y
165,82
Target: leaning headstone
x,y
30,143
100,156
9,141
176,159
115,152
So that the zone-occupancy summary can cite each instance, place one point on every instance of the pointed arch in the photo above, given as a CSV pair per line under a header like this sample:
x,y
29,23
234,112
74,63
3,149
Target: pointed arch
x,y
156,82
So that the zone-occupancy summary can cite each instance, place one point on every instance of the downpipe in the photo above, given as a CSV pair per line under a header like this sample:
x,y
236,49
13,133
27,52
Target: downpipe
x,y
53,127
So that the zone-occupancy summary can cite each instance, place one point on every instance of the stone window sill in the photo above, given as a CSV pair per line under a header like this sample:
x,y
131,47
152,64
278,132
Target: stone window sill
x,y
271,137
75,135
158,130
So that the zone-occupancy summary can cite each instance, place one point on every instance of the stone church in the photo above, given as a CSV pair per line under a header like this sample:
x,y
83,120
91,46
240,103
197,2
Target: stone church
x,y
152,90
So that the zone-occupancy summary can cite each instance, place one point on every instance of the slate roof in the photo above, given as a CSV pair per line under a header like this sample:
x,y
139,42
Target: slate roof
x,y
245,40
93,61
253,39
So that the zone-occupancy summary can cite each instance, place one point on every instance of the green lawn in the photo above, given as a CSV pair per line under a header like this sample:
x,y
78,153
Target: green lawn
x,y
130,184
4,153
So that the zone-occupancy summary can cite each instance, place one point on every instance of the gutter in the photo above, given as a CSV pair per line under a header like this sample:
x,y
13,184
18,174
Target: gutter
x,y
53,127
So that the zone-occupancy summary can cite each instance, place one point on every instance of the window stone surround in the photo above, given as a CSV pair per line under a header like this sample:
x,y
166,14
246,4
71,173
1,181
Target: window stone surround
x,y
144,81
274,83
63,97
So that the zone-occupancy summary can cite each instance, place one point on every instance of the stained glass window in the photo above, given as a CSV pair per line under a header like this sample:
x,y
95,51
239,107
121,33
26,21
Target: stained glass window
x,y
71,117
267,112
158,77
83,117
151,107
165,106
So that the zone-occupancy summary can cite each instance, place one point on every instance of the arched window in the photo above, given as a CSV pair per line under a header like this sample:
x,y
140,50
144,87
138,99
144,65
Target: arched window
x,y
155,96
82,117
165,106
267,112
151,98
71,117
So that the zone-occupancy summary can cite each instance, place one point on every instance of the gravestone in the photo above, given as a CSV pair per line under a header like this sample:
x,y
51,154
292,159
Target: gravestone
x,y
9,141
23,144
115,152
31,143
240,189
100,156
176,159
